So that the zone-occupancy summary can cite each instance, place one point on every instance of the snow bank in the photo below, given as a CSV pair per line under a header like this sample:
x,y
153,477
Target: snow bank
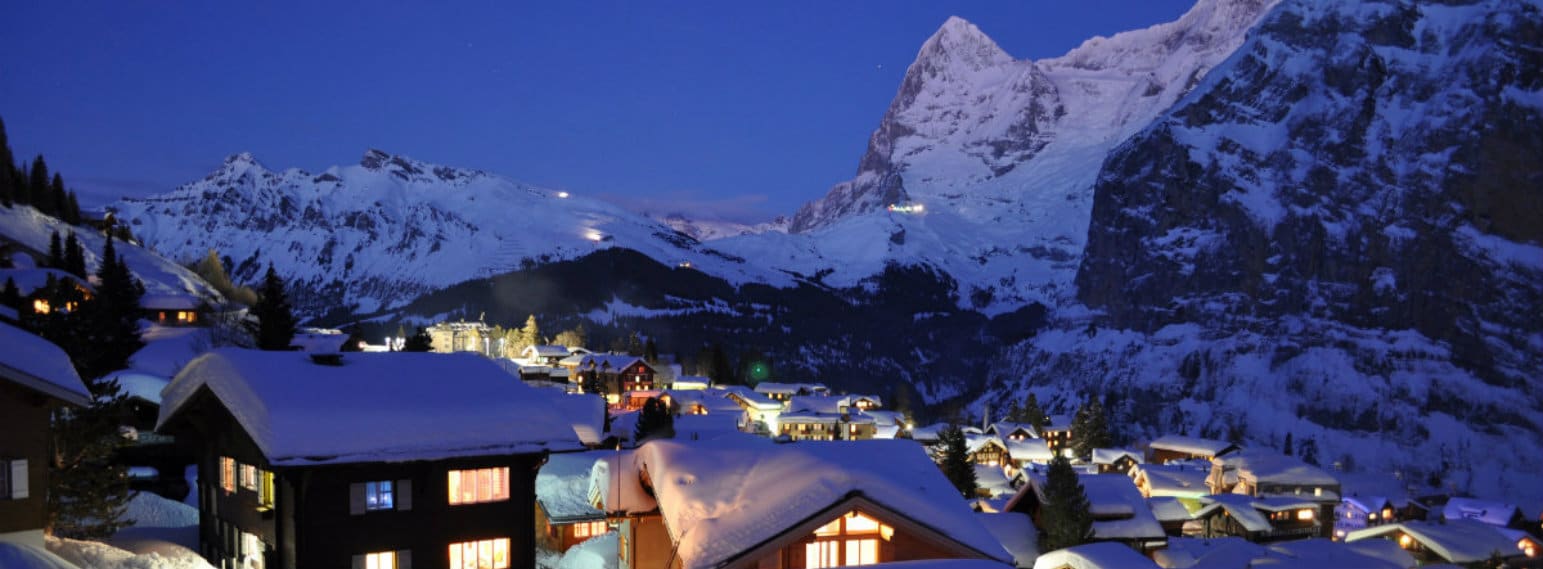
x,y
595,553
21,556
95,555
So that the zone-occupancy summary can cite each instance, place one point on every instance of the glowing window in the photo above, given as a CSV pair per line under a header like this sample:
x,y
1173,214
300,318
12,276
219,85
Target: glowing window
x,y
484,554
589,529
1305,515
379,495
266,492
862,551
822,554
249,477
382,560
228,474
830,549
480,485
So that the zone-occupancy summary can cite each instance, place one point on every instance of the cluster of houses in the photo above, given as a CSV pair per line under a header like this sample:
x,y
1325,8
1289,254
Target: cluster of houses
x,y
402,460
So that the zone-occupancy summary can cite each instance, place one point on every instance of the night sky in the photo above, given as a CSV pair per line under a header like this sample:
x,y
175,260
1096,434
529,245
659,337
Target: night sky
x,y
725,109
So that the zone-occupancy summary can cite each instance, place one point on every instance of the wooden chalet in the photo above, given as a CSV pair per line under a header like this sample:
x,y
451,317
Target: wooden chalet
x,y
1115,460
371,460
1176,447
45,291
987,450
36,377
1057,433
1258,520
785,392
175,309
857,503
1119,512
614,376
565,517
1266,474
817,418
1459,542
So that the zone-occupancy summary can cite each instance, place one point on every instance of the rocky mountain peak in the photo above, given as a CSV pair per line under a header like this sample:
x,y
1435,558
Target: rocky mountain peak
x,y
959,43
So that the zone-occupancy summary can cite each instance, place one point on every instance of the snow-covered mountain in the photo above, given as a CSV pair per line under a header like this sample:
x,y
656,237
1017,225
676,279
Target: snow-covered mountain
x,y
161,277
1336,234
984,164
375,235
710,229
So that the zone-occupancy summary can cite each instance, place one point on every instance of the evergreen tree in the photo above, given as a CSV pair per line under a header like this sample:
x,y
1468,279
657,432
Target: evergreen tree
x,y
654,421
650,352
7,169
21,194
88,492
634,345
1064,513
1034,415
72,214
719,369
521,338
955,460
111,317
10,295
1286,448
37,186
55,251
275,320
419,342
355,340
61,200
570,338
1309,451
74,257
1090,429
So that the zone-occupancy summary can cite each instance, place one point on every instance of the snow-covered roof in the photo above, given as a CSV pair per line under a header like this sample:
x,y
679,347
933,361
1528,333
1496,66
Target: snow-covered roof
x,y
975,443
318,343
170,301
690,382
1266,467
142,385
1111,455
757,400
373,407
1240,507
586,412
705,426
1058,422
702,487
1017,534
1367,504
1210,553
1104,555
18,555
1456,541
615,486
1487,511
1168,509
885,417
610,362
1190,445
39,365
29,280
597,552
928,432
1172,479
822,409
1319,553
1119,511
993,479
562,486
545,351
789,388
1032,450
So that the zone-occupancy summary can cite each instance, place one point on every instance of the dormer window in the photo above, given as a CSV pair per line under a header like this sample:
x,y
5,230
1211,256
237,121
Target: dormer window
x,y
852,539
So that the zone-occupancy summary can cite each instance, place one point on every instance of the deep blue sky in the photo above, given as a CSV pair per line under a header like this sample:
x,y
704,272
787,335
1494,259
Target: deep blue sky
x,y
743,109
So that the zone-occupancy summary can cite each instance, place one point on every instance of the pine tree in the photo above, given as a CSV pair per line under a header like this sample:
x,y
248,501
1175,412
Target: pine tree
x,y
55,251
37,186
420,341
355,341
74,257
1034,415
1090,429
955,461
720,371
10,295
61,200
570,338
7,169
72,214
1309,451
1286,448
650,352
88,492
1064,513
112,316
654,421
21,193
275,320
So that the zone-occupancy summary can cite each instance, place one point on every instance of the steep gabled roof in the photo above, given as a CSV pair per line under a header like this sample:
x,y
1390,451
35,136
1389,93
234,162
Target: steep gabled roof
x,y
563,483
1191,445
1456,541
723,497
39,365
391,406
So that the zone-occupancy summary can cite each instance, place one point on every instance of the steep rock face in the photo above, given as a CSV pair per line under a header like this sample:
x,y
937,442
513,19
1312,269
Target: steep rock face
x,y
1357,162
991,160
1312,242
373,236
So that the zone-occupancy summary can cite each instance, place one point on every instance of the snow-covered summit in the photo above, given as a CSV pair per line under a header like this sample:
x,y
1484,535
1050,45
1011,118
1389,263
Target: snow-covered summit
x,y
378,234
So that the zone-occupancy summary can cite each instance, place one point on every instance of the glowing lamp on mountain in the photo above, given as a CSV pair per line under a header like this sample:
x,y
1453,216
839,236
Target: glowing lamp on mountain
x,y
595,236
562,194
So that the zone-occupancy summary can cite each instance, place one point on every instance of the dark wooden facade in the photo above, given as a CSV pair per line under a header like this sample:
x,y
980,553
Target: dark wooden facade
x,y
24,451
615,383
312,520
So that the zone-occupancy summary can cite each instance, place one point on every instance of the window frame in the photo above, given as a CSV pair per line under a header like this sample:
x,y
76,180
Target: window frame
x,y
469,486
227,474
379,495
459,551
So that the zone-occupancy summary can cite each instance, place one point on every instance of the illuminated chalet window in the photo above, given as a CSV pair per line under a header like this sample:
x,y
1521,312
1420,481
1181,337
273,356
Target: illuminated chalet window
x,y
228,474
478,486
248,477
852,539
589,529
483,554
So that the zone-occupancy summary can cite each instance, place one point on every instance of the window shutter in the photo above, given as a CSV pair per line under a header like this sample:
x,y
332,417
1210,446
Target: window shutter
x,y
404,559
358,559
356,499
19,479
404,495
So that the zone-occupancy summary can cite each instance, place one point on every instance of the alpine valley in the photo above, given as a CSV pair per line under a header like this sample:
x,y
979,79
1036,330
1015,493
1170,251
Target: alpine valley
x,y
1321,218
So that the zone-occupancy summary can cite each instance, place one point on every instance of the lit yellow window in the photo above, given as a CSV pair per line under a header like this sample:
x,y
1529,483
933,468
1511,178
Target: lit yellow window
x,y
588,529
478,486
382,560
484,554
1305,515
228,474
